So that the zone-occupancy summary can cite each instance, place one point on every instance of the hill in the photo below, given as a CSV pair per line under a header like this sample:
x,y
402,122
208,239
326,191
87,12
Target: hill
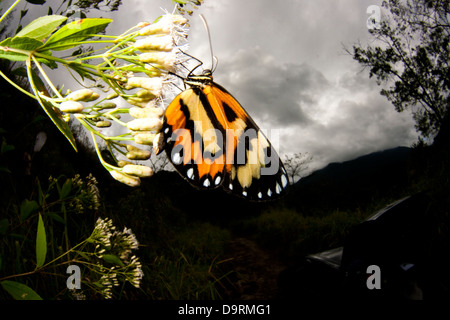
x,y
353,183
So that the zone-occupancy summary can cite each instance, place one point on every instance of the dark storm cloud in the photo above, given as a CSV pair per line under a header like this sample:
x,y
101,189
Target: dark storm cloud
x,y
284,62
270,90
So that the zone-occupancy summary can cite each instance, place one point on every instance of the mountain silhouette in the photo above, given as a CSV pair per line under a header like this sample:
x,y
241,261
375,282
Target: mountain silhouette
x,y
350,184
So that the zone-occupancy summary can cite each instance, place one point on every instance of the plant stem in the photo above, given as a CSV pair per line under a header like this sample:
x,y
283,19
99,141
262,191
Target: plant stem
x,y
47,79
9,10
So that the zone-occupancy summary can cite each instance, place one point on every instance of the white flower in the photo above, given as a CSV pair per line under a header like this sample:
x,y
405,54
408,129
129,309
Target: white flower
x,y
164,60
71,106
160,43
167,24
132,238
144,138
138,170
145,124
126,179
153,85
147,112
83,95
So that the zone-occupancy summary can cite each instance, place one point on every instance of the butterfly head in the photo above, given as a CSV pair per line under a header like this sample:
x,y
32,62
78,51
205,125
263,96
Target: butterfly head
x,y
207,73
199,80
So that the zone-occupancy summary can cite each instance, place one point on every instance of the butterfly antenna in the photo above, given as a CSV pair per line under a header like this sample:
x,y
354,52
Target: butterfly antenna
x,y
213,58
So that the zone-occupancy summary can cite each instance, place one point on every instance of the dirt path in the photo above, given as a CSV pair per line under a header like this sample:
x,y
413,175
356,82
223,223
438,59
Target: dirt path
x,y
255,271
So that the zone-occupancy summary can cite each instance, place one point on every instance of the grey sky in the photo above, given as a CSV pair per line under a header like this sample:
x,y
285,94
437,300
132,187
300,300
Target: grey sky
x,y
284,62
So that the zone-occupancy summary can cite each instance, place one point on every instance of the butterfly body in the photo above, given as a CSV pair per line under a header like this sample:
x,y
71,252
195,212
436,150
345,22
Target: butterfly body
x,y
213,142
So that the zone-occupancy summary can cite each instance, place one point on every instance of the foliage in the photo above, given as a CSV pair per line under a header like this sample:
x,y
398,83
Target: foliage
x,y
134,66
292,235
106,254
411,57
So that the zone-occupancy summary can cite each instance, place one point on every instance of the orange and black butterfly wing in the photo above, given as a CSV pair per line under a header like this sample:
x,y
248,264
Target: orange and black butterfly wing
x,y
253,169
193,140
212,141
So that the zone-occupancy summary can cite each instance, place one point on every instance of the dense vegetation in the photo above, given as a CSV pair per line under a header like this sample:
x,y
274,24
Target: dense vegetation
x,y
183,233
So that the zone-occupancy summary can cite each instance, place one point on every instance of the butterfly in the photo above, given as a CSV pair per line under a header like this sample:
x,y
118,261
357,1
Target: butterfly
x,y
213,142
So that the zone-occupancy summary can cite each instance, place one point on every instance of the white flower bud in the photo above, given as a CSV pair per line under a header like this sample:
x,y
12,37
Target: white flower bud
x,y
138,155
106,105
164,25
132,181
177,19
112,96
147,112
154,85
145,124
166,60
161,43
123,163
144,138
138,170
142,24
103,124
83,95
156,28
71,107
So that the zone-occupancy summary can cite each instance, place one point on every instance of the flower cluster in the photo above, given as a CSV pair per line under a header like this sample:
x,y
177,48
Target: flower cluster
x,y
116,261
134,68
87,197
156,50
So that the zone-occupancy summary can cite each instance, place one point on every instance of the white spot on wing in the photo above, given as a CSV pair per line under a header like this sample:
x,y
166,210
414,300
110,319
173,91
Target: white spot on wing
x,y
176,158
217,181
190,173
206,183
278,188
244,193
284,181
259,195
269,193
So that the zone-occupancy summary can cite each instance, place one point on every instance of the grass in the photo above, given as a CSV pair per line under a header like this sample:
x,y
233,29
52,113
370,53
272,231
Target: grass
x,y
292,235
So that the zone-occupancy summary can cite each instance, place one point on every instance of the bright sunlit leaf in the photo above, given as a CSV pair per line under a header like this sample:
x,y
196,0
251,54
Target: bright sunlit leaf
x,y
41,243
76,31
42,27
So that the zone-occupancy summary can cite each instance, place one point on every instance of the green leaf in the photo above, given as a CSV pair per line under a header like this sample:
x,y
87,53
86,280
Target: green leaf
x,y
113,259
4,224
22,43
41,196
55,216
19,291
76,31
28,46
66,188
42,27
27,207
52,112
4,169
41,243
5,147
